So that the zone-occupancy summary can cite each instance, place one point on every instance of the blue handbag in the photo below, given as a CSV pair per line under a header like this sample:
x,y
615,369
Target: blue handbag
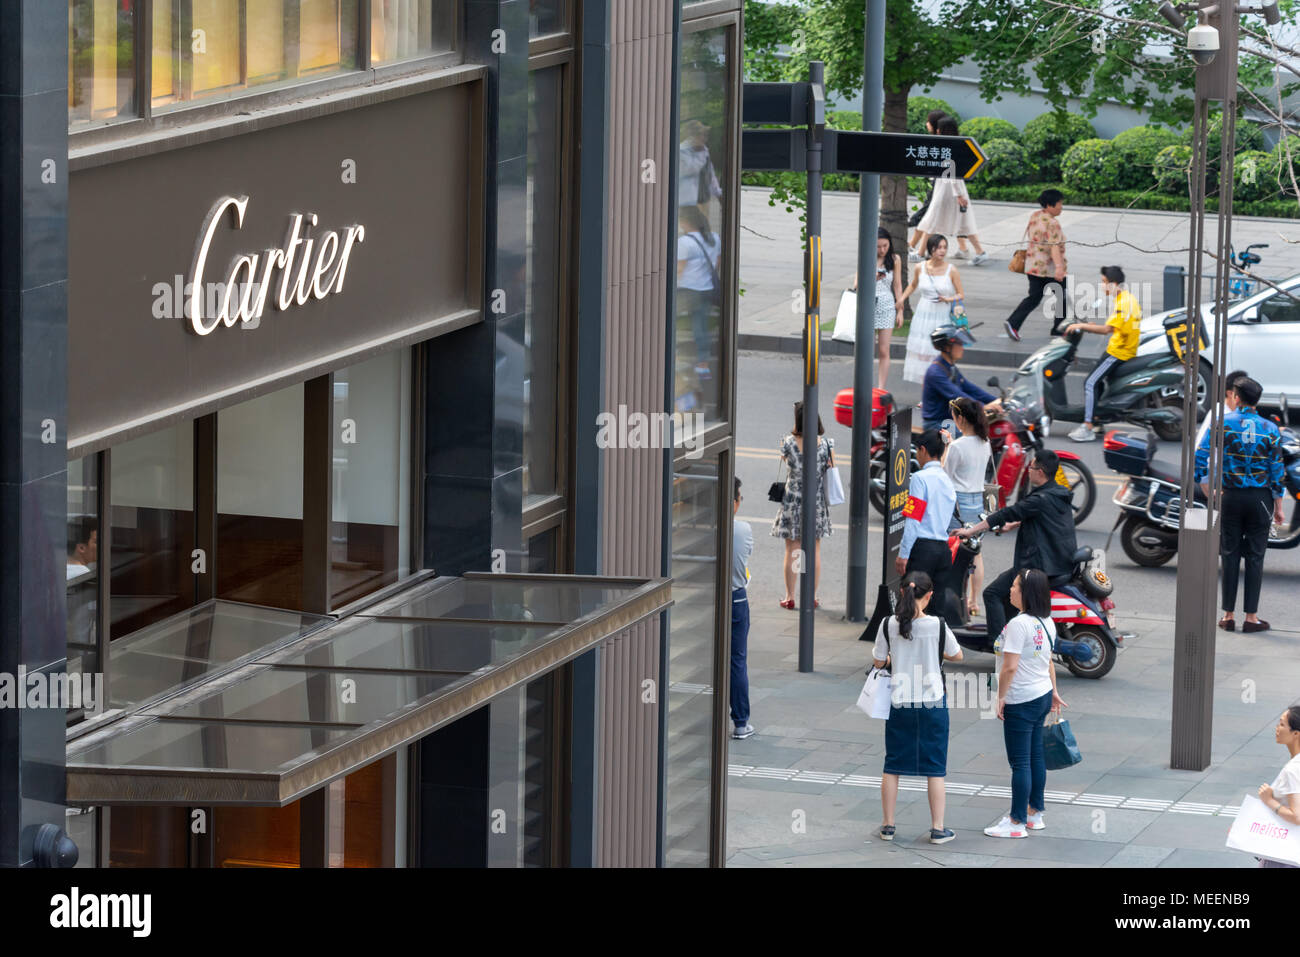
x,y
1060,750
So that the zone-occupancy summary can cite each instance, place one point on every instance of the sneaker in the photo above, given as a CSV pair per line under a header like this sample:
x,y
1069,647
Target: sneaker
x,y
1011,331
979,258
1004,828
1035,822
886,832
740,733
941,837
959,254
1083,434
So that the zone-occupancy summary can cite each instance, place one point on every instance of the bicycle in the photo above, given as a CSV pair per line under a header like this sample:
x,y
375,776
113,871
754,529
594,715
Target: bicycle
x,y
1240,286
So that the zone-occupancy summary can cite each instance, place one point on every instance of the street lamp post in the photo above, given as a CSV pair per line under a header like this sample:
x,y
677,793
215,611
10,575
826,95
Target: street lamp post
x,y
1213,45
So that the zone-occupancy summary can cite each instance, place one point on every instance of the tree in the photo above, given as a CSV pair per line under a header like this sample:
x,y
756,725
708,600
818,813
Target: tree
x,y
917,51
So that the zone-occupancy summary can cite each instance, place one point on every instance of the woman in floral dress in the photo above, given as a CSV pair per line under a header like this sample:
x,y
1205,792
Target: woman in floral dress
x,y
789,520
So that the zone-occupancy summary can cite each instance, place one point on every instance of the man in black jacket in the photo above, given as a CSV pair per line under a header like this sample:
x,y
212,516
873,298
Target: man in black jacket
x,y
1045,540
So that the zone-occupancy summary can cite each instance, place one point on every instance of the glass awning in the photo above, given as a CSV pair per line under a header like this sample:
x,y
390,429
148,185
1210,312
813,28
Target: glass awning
x,y
231,704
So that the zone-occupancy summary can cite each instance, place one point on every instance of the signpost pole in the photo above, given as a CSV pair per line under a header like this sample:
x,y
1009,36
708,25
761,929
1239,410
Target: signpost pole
x,y
864,339
898,475
812,361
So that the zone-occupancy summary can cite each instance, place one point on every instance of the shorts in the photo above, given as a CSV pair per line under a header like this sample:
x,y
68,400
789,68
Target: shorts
x,y
969,506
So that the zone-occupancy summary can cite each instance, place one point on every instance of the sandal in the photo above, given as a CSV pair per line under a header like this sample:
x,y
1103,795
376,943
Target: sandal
x,y
788,604
1227,624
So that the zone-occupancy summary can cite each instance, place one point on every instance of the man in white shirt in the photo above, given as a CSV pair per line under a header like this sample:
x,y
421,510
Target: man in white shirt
x,y
931,500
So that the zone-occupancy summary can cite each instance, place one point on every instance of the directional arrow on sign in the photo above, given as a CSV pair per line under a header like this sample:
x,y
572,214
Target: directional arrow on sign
x,y
902,154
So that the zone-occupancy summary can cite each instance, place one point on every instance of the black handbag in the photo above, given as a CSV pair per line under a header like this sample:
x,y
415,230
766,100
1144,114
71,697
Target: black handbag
x,y
776,491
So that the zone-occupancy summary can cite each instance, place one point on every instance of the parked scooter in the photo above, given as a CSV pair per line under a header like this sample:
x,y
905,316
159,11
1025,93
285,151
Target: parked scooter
x,y
1085,640
1147,388
1149,500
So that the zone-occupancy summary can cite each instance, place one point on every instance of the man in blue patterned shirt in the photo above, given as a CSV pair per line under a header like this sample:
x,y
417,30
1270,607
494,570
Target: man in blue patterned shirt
x,y
1253,478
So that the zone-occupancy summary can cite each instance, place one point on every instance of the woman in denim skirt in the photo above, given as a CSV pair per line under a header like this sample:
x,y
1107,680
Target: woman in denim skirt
x,y
916,733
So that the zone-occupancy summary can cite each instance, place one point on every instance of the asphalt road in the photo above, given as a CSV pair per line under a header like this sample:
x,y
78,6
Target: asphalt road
x,y
768,385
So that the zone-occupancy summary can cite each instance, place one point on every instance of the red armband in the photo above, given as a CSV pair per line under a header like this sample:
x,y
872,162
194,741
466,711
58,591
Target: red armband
x,y
915,508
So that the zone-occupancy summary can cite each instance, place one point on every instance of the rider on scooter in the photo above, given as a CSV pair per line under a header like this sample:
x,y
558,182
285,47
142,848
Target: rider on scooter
x,y
1045,540
944,381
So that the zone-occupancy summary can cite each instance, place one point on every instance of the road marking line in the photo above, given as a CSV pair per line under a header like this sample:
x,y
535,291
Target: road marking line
x,y
1154,805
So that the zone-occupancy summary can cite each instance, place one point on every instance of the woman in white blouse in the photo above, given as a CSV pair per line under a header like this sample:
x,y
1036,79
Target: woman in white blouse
x,y
1283,795
966,460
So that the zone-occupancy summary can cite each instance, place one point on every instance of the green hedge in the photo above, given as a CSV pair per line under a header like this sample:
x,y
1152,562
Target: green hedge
x,y
984,129
1129,199
1137,149
1008,162
1091,165
919,106
1170,169
1047,137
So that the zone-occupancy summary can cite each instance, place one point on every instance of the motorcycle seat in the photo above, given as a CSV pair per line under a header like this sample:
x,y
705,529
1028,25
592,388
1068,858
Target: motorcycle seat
x,y
1082,555
1166,471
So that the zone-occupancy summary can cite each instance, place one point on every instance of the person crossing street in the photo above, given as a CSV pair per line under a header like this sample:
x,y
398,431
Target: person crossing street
x,y
1253,490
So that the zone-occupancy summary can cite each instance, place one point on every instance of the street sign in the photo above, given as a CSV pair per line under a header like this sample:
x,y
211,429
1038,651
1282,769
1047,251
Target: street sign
x,y
784,104
898,479
785,150
902,154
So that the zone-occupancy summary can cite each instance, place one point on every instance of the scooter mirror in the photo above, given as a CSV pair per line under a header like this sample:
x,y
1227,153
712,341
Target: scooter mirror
x,y
1286,409
993,382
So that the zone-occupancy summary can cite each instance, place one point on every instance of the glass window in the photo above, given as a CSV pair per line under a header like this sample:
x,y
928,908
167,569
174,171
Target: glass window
x,y
542,302
101,60
259,500
209,48
703,302
83,567
693,624
402,29
148,836
370,541
152,490
520,782
546,16
542,553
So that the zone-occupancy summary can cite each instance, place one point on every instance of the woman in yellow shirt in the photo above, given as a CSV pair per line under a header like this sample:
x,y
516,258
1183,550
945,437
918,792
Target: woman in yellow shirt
x,y
1124,329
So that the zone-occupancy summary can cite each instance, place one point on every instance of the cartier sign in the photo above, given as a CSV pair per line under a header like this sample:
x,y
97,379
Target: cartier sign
x,y
306,267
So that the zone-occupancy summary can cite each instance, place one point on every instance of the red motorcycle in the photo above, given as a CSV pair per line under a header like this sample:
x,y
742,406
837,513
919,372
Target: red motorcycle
x,y
1014,434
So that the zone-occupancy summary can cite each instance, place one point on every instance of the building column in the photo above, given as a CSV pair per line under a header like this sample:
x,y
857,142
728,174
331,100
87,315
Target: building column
x,y
33,410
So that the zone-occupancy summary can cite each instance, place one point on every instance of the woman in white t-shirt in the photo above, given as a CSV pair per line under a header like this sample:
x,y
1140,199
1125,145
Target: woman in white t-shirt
x,y
966,460
916,733
699,252
1283,795
1026,693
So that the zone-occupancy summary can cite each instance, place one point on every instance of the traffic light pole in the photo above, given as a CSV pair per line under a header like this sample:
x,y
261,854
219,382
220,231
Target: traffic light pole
x,y
864,347
812,362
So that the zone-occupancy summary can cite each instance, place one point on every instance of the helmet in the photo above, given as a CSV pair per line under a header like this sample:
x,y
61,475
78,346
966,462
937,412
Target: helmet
x,y
944,336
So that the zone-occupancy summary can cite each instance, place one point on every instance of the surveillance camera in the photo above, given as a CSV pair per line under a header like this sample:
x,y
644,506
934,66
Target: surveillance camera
x,y
1175,18
1203,44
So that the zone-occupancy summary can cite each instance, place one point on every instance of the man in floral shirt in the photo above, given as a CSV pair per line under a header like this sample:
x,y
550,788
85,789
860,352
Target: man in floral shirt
x,y
1044,262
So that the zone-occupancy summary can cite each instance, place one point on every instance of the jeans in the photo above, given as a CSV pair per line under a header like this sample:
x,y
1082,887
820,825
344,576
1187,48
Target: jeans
x,y
1022,730
698,305
1247,515
1106,367
739,658
1037,286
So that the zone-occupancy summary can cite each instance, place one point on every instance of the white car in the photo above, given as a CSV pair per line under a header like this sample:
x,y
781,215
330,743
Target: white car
x,y
1263,340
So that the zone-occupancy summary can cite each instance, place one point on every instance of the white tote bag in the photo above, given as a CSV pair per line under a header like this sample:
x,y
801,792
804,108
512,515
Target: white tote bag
x,y
1257,830
874,699
834,487
846,319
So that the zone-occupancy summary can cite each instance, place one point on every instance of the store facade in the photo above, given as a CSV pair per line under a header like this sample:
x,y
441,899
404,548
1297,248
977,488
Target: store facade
x,y
331,294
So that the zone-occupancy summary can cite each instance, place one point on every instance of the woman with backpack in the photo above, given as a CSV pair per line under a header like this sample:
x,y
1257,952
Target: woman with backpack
x,y
916,732
699,251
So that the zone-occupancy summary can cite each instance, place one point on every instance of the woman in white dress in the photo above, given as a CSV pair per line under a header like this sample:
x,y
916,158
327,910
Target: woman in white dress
x,y
950,212
940,286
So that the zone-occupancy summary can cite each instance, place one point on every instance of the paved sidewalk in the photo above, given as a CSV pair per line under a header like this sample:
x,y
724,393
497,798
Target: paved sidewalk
x,y
804,791
1143,242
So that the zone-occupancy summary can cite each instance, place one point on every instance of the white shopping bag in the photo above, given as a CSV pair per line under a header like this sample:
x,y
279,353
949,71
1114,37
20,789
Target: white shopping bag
x,y
1259,831
846,320
834,487
874,700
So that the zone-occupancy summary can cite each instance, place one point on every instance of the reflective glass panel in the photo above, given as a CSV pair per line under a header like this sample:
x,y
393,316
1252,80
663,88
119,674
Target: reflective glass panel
x,y
101,61
459,647
83,567
403,29
546,16
308,696
152,491
693,623
506,600
198,744
370,540
703,189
